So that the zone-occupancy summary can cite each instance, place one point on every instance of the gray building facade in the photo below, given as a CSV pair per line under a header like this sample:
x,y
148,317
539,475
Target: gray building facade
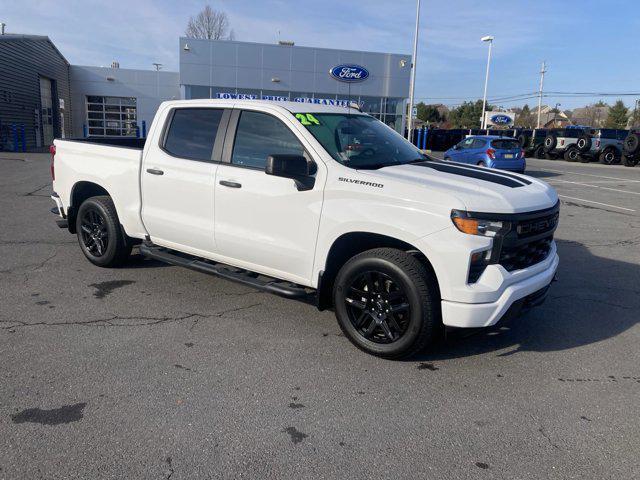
x,y
34,92
231,69
118,101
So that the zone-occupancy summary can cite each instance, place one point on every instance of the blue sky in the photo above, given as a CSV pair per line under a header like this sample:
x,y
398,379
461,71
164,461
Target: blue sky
x,y
588,45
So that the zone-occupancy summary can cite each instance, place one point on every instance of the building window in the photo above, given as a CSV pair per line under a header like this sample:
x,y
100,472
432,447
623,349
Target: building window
x,y
111,116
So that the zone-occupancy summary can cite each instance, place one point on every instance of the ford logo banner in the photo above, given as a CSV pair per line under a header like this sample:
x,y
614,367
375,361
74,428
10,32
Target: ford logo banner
x,y
501,120
349,73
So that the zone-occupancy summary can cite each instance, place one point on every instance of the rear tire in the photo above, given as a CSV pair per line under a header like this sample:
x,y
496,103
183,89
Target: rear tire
x,y
387,303
609,156
100,235
630,161
482,164
539,153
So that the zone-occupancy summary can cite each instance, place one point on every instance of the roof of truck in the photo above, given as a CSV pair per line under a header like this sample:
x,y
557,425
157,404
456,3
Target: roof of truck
x,y
293,107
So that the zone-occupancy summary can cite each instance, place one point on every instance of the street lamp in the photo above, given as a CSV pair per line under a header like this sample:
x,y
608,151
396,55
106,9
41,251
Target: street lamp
x,y
412,83
489,39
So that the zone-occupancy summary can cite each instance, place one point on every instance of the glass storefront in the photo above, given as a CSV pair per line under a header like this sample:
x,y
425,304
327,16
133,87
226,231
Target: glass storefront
x,y
387,110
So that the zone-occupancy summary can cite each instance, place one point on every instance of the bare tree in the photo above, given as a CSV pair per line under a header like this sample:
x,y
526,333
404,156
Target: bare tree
x,y
210,24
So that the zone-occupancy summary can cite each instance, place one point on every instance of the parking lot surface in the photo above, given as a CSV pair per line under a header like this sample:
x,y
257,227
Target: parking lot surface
x,y
153,371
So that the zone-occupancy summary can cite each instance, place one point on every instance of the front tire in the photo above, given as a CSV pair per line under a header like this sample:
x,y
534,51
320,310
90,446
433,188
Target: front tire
x,y
99,232
387,303
572,154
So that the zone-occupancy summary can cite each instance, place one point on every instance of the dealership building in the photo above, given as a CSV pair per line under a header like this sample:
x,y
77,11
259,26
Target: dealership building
x,y
230,69
47,97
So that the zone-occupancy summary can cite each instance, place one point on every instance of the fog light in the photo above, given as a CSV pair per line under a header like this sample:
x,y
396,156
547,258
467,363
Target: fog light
x,y
478,263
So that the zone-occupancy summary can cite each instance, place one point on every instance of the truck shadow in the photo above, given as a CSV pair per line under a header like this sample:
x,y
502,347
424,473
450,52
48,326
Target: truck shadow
x,y
136,260
595,299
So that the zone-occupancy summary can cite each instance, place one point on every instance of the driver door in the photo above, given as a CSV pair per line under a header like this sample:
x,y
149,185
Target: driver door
x,y
262,222
458,154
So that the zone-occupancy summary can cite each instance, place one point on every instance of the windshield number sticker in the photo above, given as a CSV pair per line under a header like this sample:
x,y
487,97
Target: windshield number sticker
x,y
307,119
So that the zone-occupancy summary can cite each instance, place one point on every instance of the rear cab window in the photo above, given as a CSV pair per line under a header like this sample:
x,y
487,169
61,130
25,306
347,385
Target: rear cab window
x,y
192,133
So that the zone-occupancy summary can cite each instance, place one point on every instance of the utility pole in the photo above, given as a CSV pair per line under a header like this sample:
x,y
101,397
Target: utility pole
x,y
412,85
542,72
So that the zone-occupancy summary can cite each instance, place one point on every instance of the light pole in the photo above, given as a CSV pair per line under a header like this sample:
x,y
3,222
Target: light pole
x,y
412,84
158,68
489,39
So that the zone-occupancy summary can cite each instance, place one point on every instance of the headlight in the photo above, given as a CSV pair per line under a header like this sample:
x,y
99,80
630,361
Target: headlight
x,y
466,223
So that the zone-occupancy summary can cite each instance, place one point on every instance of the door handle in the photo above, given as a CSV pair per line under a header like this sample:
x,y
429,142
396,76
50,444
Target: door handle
x,y
155,171
226,183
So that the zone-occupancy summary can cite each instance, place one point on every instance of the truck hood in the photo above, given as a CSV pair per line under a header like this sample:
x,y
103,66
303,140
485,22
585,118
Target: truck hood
x,y
479,189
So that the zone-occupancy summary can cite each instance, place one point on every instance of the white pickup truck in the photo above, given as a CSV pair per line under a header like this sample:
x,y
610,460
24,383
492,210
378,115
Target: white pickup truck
x,y
317,203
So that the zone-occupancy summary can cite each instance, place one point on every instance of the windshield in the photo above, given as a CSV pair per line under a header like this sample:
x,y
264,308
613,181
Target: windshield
x,y
359,141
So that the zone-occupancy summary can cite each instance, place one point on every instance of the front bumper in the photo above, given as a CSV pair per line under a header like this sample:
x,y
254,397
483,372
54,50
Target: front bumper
x,y
475,315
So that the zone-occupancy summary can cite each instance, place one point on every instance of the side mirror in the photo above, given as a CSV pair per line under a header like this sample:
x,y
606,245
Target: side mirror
x,y
456,147
295,167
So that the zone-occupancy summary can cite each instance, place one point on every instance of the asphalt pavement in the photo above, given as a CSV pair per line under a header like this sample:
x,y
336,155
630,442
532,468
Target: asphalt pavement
x,y
153,371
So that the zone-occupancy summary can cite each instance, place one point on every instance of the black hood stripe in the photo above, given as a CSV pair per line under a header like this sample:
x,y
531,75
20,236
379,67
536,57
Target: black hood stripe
x,y
483,174
483,169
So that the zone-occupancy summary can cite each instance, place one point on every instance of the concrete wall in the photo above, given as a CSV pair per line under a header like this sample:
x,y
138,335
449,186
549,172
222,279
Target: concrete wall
x,y
246,65
149,87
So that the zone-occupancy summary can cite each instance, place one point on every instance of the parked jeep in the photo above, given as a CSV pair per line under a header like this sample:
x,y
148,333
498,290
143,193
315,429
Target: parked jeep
x,y
564,142
533,142
631,149
605,145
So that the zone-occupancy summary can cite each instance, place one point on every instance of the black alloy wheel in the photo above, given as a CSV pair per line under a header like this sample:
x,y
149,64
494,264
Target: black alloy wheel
x,y
378,307
93,231
100,235
387,303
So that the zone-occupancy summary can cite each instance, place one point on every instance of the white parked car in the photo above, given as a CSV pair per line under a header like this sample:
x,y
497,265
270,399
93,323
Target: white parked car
x,y
315,202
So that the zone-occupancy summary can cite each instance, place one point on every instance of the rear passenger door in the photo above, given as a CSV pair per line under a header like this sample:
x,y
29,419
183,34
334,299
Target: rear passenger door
x,y
478,151
263,223
178,179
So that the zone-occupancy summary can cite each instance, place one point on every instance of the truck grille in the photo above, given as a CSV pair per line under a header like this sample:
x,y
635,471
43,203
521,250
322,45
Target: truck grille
x,y
537,226
525,255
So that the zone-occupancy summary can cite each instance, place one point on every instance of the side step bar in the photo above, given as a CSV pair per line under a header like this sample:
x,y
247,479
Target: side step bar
x,y
260,282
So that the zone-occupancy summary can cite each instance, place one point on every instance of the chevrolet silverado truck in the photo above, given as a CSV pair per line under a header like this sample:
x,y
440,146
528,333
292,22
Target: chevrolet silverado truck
x,y
318,203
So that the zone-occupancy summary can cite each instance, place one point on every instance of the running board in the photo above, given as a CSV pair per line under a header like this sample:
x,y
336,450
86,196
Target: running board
x,y
246,277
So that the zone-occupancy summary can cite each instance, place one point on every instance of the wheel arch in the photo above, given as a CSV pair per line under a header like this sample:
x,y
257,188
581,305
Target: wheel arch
x,y
350,244
79,193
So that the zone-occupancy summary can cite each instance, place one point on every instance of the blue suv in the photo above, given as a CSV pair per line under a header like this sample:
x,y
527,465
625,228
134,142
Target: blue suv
x,y
489,151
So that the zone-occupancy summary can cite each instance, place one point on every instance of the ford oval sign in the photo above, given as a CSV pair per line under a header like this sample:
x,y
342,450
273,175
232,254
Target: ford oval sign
x,y
501,120
349,73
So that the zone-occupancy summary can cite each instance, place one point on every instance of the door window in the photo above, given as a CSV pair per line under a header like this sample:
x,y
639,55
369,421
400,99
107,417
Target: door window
x,y
192,133
478,143
260,135
466,143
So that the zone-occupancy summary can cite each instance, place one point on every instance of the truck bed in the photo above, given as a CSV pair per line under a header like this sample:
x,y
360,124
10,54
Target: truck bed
x,y
125,142
111,163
